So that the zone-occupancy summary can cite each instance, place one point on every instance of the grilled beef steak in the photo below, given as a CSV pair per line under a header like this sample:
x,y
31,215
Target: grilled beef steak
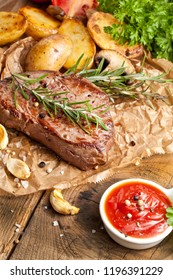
x,y
59,133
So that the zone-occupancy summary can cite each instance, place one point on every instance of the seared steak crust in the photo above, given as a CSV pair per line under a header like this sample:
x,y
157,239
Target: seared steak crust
x,y
68,140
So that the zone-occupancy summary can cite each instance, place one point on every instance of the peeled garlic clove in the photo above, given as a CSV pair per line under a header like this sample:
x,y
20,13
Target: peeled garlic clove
x,y
18,168
61,205
3,137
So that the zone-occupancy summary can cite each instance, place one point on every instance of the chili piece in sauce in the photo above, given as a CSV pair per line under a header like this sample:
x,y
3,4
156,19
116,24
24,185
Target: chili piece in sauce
x,y
137,209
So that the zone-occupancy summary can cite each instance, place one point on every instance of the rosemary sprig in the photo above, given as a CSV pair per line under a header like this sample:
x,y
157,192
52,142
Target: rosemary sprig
x,y
117,83
114,82
53,102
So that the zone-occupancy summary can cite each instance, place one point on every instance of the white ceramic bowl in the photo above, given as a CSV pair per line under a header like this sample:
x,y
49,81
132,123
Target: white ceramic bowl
x,y
133,242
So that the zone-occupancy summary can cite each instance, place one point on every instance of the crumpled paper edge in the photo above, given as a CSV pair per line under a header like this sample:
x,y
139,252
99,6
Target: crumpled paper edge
x,y
140,131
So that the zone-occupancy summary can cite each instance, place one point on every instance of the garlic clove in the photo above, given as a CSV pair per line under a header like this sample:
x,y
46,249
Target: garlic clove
x,y
61,205
3,137
18,168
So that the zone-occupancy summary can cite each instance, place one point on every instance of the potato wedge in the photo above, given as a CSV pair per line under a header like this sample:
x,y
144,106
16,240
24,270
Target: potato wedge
x,y
49,53
96,23
12,27
40,24
82,43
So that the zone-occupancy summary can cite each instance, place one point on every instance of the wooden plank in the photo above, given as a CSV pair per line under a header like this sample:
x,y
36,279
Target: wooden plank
x,y
73,238
82,236
14,210
12,5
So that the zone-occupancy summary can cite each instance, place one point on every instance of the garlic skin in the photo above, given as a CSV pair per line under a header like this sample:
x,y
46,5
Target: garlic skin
x,y
3,137
61,205
18,168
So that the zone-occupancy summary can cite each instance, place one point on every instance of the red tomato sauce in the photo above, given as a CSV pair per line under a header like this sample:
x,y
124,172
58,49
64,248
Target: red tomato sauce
x,y
137,209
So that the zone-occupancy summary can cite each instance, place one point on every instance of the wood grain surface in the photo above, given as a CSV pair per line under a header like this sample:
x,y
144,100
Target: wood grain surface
x,y
76,237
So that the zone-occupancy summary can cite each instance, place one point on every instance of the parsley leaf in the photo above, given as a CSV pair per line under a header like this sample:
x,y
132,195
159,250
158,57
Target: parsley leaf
x,y
169,215
146,22
108,6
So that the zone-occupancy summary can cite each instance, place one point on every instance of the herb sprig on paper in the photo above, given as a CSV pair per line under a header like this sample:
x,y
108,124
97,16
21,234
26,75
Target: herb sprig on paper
x,y
54,101
146,22
117,83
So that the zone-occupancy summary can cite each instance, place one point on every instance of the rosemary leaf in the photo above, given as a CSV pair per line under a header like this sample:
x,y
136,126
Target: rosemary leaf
x,y
90,108
69,115
74,67
46,106
23,93
28,80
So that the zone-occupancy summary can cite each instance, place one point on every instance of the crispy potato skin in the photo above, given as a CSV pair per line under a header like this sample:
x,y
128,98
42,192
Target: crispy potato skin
x,y
40,24
96,23
82,43
12,27
49,53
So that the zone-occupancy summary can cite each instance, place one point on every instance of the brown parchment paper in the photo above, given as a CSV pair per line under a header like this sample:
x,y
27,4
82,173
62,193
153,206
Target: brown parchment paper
x,y
142,128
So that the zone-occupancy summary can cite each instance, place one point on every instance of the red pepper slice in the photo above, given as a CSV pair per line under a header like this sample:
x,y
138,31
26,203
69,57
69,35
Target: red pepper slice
x,y
75,7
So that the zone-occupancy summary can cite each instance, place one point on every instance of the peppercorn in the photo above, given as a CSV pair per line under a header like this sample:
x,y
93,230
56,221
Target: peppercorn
x,y
41,164
132,143
136,197
140,202
42,115
127,202
34,99
129,215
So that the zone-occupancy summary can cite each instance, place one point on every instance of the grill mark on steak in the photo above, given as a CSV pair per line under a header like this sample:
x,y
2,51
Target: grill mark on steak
x,y
67,140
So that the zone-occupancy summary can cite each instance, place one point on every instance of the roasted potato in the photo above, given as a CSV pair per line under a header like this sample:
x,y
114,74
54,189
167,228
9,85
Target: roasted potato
x,y
12,27
96,23
40,24
82,43
49,53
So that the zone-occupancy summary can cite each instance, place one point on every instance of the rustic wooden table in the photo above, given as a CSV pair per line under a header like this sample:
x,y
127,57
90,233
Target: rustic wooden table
x,y
77,237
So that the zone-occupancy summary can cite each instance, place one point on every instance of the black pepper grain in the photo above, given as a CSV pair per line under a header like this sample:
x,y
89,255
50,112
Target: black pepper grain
x,y
42,115
136,197
43,84
34,99
41,164
132,143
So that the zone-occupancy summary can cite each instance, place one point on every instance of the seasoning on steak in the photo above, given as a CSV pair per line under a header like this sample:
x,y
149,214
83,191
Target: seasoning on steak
x,y
58,133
